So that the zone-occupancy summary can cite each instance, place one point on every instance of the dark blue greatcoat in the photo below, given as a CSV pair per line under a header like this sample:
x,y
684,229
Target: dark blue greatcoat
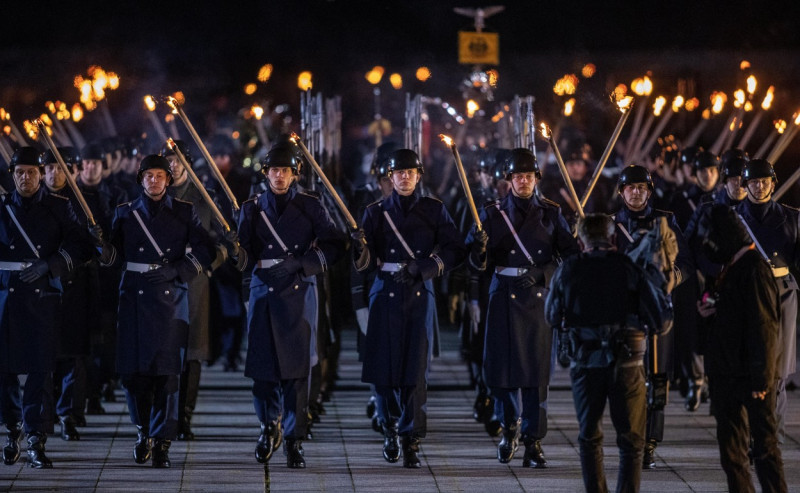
x,y
30,313
518,340
399,339
153,317
777,234
279,330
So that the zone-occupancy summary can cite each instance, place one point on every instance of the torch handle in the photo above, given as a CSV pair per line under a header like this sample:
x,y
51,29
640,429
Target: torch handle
x,y
762,150
65,170
606,154
565,175
206,155
751,129
321,174
199,185
782,144
465,184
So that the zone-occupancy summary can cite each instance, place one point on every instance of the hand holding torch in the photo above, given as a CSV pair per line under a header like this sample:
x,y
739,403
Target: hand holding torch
x,y
463,177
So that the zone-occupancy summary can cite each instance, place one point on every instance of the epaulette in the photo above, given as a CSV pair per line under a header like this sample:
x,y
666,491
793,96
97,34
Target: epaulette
x,y
310,193
124,204
253,199
549,202
791,208
491,203
181,201
663,212
57,196
376,203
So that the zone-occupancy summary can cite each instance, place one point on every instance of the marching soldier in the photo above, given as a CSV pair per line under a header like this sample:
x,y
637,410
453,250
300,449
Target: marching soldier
x,y
606,303
149,239
635,187
523,238
288,238
40,240
411,240
774,229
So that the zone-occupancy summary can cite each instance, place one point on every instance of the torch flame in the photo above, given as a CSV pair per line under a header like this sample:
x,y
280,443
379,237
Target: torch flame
x,y
566,85
51,106
625,103
7,129
588,70
250,89
171,143
257,111
642,86
751,84
294,138
691,104
31,129
569,106
545,130
45,119
738,98
304,81
748,106
768,98
706,114
265,72
375,75
718,100
497,117
447,140
797,118
744,65
150,102
4,115
396,80
780,126
423,74
179,97
493,76
658,105
677,103
113,80
172,103
77,112
472,107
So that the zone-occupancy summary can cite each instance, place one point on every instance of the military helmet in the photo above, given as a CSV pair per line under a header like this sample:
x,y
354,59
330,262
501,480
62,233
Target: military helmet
x,y
634,174
732,163
704,159
688,154
758,168
521,160
26,155
404,159
380,163
70,156
282,155
487,160
154,161
182,146
501,155
94,152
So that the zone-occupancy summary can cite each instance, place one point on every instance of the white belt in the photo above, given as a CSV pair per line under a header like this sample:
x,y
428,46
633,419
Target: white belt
x,y
780,271
266,263
21,265
392,267
141,268
511,271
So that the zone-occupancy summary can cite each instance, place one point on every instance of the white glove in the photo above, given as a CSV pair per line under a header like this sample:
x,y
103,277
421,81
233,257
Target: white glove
x,y
362,316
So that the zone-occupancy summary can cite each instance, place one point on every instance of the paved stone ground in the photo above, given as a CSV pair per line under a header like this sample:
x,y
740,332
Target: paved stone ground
x,y
345,454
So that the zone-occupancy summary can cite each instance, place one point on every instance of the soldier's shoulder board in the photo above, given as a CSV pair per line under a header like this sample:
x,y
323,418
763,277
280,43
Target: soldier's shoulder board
x,y
790,208
431,200
377,203
125,204
58,197
661,212
545,201
181,201
310,193
491,203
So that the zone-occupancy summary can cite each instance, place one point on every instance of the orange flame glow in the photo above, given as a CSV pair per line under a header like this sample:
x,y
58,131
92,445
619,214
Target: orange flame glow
x,y
738,100
304,81
77,112
257,111
447,140
748,106
472,107
751,84
375,75
566,85
642,86
624,104
250,89
545,130
31,129
744,65
796,117
4,115
497,117
265,72
150,103
768,98
113,80
494,75
677,103
658,105
423,74
691,104
396,80
179,97
51,106
46,119
588,70
718,100
706,114
780,126
569,106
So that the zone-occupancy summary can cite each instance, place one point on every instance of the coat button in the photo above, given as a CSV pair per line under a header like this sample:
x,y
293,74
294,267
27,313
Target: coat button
x,y
539,252
141,249
69,282
10,290
11,247
513,296
296,247
269,247
39,247
391,295
774,254
417,293
141,292
166,292
538,295
36,290
168,249
391,250
512,252
270,290
296,286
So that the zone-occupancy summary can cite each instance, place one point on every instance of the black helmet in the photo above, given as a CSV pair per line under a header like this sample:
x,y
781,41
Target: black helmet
x,y
732,163
26,155
182,146
521,160
501,155
380,163
704,159
404,159
154,161
634,174
281,155
758,168
688,154
94,152
68,154
487,160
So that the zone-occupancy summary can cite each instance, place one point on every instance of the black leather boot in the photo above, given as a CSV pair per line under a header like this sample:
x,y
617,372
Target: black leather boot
x,y
391,442
144,445
294,455
410,453
185,432
11,449
36,454
509,443
693,397
269,441
649,458
534,456
68,431
161,454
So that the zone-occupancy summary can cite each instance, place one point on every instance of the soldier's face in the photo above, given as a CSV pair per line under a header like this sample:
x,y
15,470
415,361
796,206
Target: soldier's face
x,y
92,171
26,179
733,186
178,171
707,178
405,181
386,186
759,190
636,196
280,179
154,182
522,184
53,176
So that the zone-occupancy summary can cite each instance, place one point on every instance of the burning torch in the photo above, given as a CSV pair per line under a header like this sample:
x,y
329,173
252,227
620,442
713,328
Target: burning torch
x,y
547,134
463,177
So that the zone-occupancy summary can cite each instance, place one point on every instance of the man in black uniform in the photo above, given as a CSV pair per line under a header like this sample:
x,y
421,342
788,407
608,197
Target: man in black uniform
x,y
40,241
606,302
742,361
